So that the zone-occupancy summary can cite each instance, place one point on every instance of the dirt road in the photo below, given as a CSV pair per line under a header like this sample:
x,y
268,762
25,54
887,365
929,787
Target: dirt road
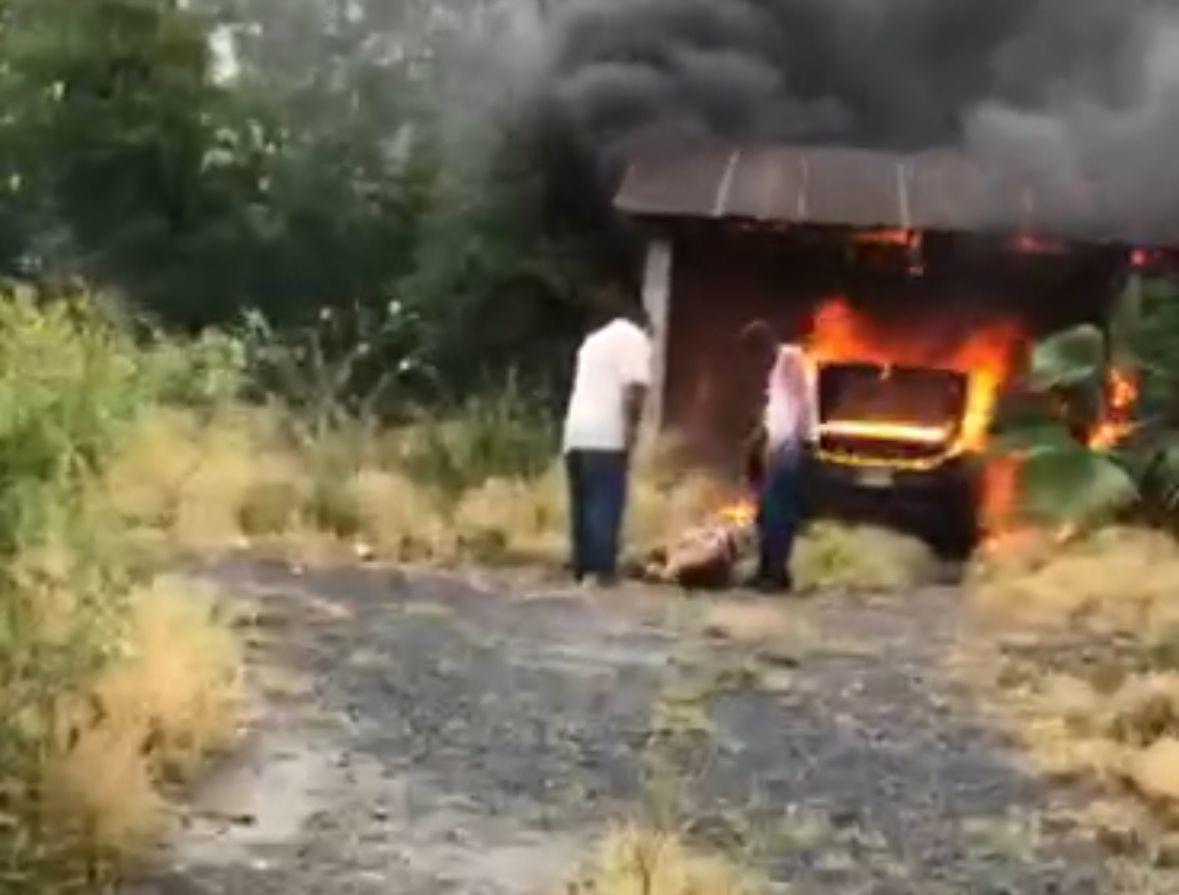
x,y
423,733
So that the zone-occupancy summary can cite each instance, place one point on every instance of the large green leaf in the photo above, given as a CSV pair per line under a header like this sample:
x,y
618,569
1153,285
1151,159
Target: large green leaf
x,y
1032,436
1070,358
1071,484
1158,476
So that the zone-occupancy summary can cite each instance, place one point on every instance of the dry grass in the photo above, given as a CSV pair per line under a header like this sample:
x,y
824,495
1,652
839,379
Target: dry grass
x,y
1091,686
202,483
147,722
232,480
635,861
515,519
860,558
1127,739
398,519
1155,771
1121,579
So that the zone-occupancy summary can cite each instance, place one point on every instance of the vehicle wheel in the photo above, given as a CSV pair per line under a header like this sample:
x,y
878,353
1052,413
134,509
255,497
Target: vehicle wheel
x,y
955,532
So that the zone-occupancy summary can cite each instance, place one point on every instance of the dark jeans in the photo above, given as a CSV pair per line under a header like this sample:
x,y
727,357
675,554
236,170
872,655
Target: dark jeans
x,y
597,501
779,514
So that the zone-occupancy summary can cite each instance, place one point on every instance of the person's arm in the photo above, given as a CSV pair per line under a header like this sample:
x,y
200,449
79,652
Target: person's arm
x,y
810,438
634,399
637,375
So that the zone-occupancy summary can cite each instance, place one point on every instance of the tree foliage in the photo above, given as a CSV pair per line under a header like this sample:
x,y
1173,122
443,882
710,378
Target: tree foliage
x,y
209,156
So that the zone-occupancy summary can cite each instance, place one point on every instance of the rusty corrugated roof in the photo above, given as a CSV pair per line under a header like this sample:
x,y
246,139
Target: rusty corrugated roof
x,y
939,189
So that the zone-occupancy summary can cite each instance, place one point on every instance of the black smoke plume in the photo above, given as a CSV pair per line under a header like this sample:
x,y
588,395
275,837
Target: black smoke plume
x,y
1061,88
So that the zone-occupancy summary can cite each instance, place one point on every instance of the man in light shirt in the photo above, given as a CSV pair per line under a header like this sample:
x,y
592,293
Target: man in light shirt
x,y
789,425
601,428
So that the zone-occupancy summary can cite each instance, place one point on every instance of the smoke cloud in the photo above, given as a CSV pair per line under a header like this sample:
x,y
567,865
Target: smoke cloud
x,y
1061,88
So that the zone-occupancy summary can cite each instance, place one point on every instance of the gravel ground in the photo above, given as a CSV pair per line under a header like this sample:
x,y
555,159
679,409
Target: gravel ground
x,y
426,733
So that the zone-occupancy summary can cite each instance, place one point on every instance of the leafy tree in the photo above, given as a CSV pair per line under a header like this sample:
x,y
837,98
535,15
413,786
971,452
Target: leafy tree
x,y
107,123
136,159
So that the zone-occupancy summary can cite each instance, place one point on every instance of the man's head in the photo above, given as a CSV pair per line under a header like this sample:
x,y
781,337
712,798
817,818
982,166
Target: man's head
x,y
759,342
614,303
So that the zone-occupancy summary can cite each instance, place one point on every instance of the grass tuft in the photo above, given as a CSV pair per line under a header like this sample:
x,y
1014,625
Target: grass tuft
x,y
144,724
832,556
632,860
1090,685
1123,578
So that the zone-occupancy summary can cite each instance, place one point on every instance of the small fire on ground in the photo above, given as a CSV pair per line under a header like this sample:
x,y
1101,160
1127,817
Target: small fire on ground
x,y
741,513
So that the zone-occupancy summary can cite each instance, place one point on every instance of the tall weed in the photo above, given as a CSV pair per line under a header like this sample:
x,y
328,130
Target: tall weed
x,y
78,786
501,435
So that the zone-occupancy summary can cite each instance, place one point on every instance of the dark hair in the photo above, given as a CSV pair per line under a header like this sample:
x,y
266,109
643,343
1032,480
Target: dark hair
x,y
757,336
613,302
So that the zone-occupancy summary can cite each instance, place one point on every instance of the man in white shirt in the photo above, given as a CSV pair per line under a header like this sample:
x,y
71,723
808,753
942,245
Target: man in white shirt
x,y
601,427
789,425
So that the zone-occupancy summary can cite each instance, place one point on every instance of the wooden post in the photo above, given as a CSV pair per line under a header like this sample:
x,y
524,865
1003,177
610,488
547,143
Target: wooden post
x,y
657,303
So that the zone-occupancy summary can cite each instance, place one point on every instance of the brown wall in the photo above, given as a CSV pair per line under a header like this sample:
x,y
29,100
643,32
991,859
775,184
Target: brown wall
x,y
724,277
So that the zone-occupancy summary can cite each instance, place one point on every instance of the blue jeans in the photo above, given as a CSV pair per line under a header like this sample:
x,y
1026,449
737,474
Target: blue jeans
x,y
779,513
597,502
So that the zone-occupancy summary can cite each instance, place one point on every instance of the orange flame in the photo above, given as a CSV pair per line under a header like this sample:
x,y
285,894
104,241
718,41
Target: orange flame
x,y
984,354
1121,401
888,236
742,513
1000,494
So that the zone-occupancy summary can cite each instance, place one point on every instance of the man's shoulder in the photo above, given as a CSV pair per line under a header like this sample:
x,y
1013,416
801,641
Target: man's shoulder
x,y
620,332
632,332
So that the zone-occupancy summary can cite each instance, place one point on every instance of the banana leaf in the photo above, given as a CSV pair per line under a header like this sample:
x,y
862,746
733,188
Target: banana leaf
x,y
1074,357
1031,436
1074,485
1158,476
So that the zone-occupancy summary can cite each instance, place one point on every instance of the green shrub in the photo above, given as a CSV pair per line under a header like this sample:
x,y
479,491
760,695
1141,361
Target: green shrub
x,y
501,435
72,385
206,372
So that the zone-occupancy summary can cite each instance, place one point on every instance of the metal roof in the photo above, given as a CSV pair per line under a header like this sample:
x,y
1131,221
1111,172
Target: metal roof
x,y
940,189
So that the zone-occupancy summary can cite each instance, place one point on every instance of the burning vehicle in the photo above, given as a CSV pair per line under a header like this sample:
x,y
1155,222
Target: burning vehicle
x,y
904,416
890,449
917,284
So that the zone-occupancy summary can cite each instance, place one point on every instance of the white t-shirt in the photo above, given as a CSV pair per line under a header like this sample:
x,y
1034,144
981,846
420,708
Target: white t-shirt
x,y
791,416
609,361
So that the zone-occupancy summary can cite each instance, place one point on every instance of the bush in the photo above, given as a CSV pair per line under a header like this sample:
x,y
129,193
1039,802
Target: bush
x,y
150,718
501,435
514,520
196,478
70,385
107,684
860,558
334,506
203,373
